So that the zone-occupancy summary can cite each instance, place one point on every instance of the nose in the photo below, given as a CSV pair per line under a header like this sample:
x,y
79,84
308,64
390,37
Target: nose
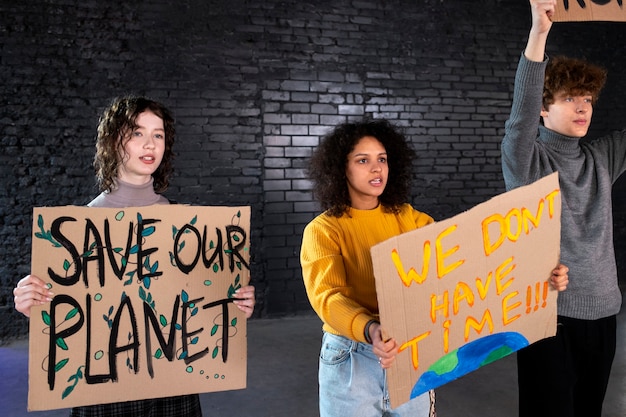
x,y
583,106
149,143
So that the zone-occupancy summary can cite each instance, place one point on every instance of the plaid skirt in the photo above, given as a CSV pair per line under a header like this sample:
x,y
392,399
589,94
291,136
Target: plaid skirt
x,y
182,406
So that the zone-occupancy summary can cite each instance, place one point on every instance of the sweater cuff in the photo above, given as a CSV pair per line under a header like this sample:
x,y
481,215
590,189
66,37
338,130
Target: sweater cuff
x,y
358,327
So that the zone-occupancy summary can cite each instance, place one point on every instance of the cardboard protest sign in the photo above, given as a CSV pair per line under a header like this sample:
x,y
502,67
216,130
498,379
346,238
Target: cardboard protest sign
x,y
589,10
142,306
464,292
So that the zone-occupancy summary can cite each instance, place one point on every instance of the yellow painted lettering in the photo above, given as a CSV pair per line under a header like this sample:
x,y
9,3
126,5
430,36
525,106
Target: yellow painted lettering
x,y
412,275
513,214
462,291
472,323
446,336
414,349
443,307
550,197
483,288
506,308
488,245
529,218
441,255
502,271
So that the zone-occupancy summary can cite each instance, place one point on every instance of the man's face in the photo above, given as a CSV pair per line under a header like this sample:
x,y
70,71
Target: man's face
x,y
569,115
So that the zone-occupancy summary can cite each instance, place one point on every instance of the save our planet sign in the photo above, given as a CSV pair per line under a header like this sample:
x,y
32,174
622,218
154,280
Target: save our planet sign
x,y
143,303
461,293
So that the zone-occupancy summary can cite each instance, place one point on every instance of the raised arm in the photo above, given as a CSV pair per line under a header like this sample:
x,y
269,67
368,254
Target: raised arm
x,y
542,12
520,161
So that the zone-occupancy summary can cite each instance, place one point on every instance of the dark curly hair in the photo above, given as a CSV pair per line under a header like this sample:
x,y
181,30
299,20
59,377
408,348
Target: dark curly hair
x,y
327,166
116,125
572,76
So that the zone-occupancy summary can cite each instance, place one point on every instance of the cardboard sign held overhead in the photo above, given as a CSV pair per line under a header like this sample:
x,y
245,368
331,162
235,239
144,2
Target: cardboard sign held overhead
x,y
461,293
142,306
590,10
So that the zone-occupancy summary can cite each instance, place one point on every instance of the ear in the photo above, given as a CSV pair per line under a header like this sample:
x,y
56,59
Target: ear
x,y
544,112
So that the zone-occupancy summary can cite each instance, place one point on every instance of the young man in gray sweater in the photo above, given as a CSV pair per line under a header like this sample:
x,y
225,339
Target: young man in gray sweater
x,y
567,375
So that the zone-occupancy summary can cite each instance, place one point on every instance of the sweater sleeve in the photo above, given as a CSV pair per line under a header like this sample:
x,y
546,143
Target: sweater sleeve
x,y
521,127
613,148
326,283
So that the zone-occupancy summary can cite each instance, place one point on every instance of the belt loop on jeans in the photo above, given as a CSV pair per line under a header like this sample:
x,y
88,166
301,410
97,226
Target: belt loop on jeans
x,y
354,345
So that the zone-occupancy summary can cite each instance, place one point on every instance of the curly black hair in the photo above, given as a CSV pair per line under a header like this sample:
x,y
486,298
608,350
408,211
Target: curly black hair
x,y
116,124
327,167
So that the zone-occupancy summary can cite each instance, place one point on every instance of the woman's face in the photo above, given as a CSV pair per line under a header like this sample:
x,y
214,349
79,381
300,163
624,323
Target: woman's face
x,y
367,172
143,149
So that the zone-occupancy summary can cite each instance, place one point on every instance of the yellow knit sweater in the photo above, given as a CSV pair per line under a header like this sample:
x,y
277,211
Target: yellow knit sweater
x,y
337,264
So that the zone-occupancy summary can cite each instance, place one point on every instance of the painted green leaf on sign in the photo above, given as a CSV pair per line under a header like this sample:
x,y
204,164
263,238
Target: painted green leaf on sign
x,y
61,343
60,364
71,313
45,317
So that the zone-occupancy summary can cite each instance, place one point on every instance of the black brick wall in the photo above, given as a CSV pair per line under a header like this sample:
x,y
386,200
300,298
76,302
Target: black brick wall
x,y
253,85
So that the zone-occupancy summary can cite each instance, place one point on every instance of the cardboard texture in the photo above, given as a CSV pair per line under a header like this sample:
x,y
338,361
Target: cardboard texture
x,y
142,305
590,10
464,292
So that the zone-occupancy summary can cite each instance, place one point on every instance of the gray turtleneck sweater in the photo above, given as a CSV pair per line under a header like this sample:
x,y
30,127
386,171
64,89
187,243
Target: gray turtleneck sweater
x,y
129,195
587,171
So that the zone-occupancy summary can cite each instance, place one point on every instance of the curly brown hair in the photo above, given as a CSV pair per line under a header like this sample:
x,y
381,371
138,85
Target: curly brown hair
x,y
116,124
572,76
327,167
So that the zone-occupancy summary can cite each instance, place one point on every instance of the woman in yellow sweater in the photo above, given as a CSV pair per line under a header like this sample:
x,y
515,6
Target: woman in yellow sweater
x,y
361,173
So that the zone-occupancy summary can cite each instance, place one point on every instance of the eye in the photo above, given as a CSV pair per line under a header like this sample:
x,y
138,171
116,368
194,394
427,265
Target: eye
x,y
382,159
159,136
362,161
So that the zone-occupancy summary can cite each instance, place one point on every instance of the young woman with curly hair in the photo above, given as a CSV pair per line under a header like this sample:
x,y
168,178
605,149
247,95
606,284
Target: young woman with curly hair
x,y
133,165
361,173
120,128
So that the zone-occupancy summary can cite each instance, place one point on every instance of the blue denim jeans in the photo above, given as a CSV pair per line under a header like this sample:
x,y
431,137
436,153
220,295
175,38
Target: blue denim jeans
x,y
352,383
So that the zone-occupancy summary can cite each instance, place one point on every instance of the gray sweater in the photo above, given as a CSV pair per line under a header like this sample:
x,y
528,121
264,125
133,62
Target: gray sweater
x,y
129,195
587,171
